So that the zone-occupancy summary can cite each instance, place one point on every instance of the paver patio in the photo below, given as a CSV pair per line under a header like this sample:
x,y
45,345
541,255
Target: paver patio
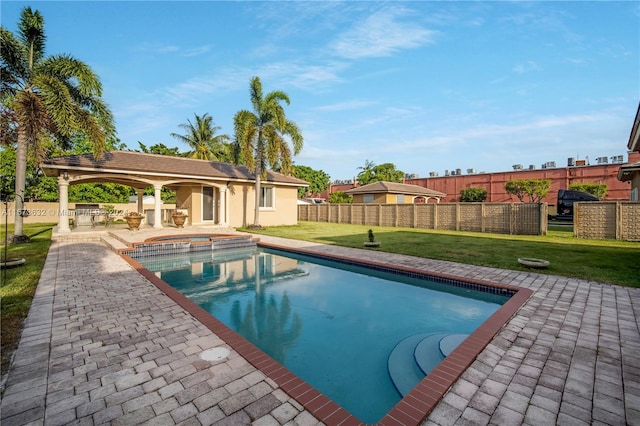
x,y
102,345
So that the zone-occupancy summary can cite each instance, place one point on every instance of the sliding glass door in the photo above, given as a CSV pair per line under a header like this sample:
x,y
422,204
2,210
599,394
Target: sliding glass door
x,y
208,203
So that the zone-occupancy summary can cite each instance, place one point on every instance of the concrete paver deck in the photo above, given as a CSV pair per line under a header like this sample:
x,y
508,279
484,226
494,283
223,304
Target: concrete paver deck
x,y
102,345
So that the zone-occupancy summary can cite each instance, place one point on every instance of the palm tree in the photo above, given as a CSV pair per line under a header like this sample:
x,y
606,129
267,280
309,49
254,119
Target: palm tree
x,y
53,98
260,141
367,170
202,138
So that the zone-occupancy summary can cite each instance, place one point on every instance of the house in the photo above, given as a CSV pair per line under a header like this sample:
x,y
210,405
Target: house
x,y
393,193
630,172
209,192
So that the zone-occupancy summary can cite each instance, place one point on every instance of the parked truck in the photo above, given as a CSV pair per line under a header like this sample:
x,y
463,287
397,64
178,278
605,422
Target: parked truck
x,y
566,198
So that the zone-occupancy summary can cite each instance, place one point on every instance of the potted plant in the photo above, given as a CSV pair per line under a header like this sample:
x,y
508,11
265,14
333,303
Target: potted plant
x,y
372,240
179,218
133,220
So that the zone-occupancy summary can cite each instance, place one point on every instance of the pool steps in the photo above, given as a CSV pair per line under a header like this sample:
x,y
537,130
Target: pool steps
x,y
415,356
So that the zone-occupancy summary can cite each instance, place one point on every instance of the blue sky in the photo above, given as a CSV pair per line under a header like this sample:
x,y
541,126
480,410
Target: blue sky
x,y
427,86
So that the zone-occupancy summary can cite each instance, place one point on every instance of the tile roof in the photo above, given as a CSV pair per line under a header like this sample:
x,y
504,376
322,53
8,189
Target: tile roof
x,y
394,188
625,172
130,162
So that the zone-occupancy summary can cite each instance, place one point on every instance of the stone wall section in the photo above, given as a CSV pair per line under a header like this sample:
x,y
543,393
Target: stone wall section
x,y
607,220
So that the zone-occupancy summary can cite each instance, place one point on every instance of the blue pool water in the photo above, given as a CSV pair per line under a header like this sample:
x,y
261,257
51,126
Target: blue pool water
x,y
361,337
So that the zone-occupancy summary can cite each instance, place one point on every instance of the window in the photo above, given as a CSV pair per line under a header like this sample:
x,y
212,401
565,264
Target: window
x,y
367,198
400,199
267,197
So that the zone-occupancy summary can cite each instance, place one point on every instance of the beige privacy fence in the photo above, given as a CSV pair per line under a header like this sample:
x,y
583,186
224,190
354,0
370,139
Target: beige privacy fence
x,y
501,218
618,220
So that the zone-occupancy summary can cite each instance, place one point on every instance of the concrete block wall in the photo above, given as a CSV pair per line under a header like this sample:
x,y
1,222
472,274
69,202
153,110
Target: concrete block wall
x,y
505,218
607,220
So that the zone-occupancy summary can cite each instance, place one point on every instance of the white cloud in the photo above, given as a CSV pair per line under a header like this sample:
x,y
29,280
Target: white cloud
x,y
381,34
526,67
157,48
196,51
346,105
165,49
310,77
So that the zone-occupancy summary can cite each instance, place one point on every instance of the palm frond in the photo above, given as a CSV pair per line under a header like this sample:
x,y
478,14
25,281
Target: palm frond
x,y
60,107
286,164
272,144
293,131
68,68
245,126
31,115
31,33
8,127
88,124
100,110
8,84
13,60
183,138
201,137
277,96
255,94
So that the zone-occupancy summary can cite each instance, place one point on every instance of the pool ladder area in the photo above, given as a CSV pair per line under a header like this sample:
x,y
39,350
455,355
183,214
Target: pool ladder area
x,y
415,356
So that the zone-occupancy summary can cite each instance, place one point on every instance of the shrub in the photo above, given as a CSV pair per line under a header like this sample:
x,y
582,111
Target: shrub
x,y
599,190
473,195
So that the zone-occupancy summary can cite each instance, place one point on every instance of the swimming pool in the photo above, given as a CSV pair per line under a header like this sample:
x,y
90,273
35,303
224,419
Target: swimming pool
x,y
343,328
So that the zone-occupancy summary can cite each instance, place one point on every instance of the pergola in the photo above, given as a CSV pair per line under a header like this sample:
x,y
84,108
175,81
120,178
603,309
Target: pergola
x,y
139,171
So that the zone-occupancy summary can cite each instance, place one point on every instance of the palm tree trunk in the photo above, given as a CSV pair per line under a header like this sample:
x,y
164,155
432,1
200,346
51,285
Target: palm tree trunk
x,y
256,215
21,171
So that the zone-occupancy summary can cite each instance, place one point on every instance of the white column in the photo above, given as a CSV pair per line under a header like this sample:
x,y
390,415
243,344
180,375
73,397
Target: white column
x,y
157,211
140,193
63,210
227,209
220,208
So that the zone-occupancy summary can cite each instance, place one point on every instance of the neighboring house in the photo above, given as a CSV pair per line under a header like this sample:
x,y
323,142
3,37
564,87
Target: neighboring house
x,y
393,193
630,172
210,192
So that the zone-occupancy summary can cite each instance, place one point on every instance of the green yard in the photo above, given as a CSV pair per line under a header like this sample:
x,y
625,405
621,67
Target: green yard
x,y
606,261
19,283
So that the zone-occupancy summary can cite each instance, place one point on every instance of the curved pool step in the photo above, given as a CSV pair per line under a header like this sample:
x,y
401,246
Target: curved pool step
x,y
402,365
450,342
427,353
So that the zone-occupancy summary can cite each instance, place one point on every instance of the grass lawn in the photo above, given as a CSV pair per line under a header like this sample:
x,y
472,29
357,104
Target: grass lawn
x,y
18,284
606,261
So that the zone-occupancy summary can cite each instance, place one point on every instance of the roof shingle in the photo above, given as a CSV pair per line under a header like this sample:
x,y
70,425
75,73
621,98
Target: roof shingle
x,y
132,162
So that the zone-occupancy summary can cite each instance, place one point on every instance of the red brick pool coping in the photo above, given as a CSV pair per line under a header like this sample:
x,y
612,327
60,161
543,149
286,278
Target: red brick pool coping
x,y
414,407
